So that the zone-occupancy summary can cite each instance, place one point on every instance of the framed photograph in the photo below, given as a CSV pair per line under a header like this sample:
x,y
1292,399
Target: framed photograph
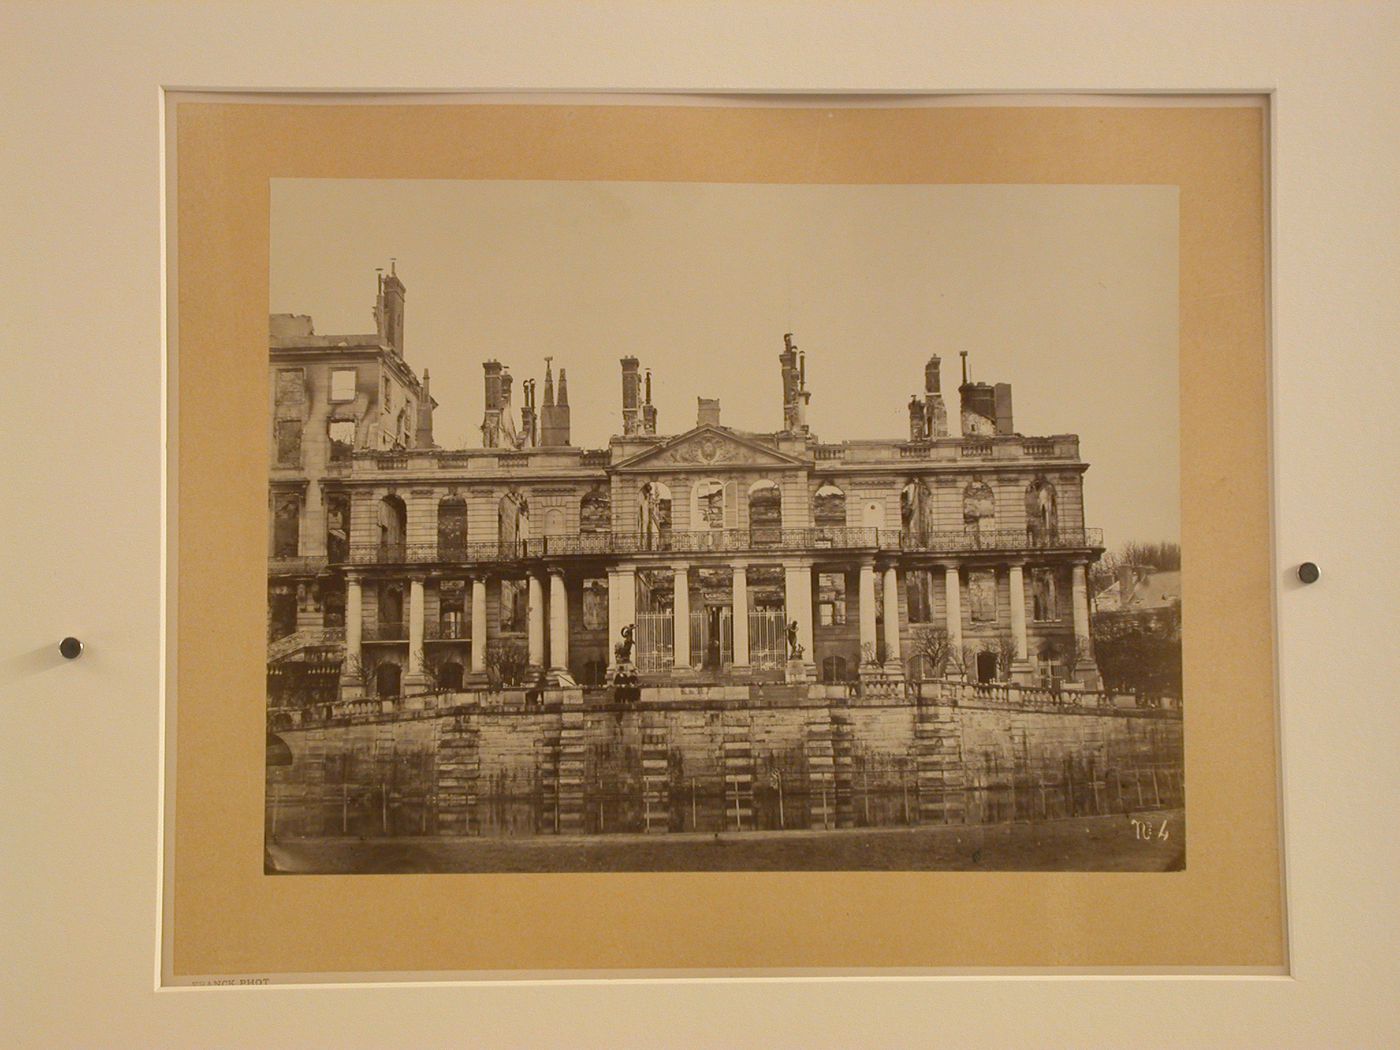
x,y
555,549
714,528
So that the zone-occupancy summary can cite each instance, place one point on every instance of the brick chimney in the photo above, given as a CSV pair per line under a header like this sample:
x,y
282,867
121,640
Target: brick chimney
x,y
707,412
423,436
631,396
388,309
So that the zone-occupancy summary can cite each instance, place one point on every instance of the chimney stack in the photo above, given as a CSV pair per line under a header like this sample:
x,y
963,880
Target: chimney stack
x,y
528,414
631,396
792,385
648,409
935,412
491,421
388,309
423,436
554,416
978,405
918,427
707,412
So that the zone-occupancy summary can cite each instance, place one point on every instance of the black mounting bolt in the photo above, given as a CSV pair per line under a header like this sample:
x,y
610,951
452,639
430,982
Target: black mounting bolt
x,y
1308,572
71,648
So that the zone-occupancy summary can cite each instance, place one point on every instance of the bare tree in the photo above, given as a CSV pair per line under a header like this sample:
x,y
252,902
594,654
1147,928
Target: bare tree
x,y
931,647
1006,654
506,663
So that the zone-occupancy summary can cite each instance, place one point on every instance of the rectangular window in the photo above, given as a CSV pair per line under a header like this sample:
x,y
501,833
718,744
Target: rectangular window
x,y
513,598
343,383
291,386
289,442
918,585
1044,605
286,526
342,438
831,598
982,595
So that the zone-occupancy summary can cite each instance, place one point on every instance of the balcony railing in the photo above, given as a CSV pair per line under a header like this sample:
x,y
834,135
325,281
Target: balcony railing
x,y
954,542
296,563
447,630
727,541
393,631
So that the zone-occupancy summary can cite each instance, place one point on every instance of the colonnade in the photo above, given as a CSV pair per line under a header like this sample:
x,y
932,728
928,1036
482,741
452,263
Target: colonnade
x,y
622,584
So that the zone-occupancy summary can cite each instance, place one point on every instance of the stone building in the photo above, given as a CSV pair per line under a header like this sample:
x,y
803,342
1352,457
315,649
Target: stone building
x,y
738,556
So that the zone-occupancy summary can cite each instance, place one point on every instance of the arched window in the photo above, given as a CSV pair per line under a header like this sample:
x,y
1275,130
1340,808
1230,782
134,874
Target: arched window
x,y
915,515
452,528
979,507
386,680
829,507
765,514
709,509
595,511
393,524
654,516
1042,511
449,676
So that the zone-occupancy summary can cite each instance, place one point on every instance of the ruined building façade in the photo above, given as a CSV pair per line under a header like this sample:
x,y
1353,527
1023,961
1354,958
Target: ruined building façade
x,y
398,567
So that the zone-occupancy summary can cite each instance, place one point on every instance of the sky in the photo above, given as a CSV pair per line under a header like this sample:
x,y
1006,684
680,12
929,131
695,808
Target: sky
x,y
1068,293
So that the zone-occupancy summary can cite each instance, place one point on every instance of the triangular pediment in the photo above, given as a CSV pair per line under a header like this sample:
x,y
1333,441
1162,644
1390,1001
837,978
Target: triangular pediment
x,y
709,446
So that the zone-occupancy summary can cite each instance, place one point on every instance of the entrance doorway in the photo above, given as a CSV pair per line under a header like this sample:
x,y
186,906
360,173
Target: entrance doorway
x,y
713,629
986,667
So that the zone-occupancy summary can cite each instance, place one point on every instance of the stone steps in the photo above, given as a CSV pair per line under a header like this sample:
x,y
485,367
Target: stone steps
x,y
656,779
457,773
938,759
821,771
736,752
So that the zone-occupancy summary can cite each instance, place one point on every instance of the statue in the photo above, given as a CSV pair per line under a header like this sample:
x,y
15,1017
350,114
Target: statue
x,y
794,649
623,649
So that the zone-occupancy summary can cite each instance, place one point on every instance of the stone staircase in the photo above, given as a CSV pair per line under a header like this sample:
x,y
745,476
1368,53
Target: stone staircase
x,y
938,751
737,753
457,773
569,772
656,779
842,768
821,771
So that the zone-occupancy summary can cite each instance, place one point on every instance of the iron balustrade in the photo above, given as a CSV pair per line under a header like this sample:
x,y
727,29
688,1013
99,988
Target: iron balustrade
x,y
454,630
727,541
961,541
392,631
292,563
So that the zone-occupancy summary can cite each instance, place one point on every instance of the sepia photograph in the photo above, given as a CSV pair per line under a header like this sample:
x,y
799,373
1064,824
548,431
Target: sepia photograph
x,y
673,526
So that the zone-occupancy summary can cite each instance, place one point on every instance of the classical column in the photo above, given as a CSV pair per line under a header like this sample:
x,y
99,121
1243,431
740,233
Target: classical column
x,y
797,579
868,645
622,607
415,678
740,614
681,605
952,602
558,621
892,653
535,621
1020,669
1080,601
479,625
351,683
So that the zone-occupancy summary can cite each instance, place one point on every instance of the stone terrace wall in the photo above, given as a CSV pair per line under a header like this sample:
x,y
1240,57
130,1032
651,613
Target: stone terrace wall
x,y
787,759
